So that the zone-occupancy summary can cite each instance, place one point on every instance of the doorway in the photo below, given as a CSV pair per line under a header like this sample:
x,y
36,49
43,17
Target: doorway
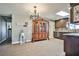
x,y
5,29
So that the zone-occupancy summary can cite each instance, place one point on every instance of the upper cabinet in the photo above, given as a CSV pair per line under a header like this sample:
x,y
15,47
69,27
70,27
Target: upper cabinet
x,y
61,23
74,12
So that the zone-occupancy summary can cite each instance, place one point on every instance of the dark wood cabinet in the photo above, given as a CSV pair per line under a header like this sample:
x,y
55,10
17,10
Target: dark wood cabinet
x,y
61,23
74,12
71,45
59,35
40,29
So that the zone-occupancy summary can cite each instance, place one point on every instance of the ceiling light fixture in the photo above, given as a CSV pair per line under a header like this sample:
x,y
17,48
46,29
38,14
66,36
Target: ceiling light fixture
x,y
62,13
35,15
69,8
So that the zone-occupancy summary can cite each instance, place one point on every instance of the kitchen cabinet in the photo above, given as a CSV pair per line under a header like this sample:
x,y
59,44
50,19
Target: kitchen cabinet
x,y
71,44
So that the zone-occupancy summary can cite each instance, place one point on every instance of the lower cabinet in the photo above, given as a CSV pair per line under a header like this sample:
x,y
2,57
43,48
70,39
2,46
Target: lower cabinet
x,y
58,35
71,45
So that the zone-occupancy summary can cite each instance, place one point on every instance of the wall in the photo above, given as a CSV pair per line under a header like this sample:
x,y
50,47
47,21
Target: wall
x,y
19,16
51,29
17,27
18,20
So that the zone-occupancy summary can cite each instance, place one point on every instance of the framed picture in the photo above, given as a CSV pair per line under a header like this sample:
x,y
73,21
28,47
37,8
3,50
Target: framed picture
x,y
76,13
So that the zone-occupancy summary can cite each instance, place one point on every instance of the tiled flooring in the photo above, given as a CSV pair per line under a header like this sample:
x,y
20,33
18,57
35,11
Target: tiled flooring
x,y
53,47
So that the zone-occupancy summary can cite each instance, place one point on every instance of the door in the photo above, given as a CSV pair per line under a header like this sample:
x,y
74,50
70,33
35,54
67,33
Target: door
x,y
3,29
0,30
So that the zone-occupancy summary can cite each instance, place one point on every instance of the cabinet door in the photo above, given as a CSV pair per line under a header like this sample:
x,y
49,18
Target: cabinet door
x,y
35,30
45,29
33,26
40,26
36,27
40,30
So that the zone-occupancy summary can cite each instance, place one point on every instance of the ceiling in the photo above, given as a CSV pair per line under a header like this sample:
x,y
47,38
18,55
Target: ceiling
x,y
47,10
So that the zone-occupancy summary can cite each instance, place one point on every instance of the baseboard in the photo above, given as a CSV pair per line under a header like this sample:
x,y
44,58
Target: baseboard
x,y
50,38
28,40
15,42
18,42
2,40
63,54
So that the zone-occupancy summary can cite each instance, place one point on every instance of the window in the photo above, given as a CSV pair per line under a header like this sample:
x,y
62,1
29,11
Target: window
x,y
76,26
72,26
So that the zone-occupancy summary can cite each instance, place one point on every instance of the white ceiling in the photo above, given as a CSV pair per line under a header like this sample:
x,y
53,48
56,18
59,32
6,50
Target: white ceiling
x,y
47,10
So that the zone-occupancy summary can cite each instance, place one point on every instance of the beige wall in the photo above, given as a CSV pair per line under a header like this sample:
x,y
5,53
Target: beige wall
x,y
18,21
17,26
19,16
51,29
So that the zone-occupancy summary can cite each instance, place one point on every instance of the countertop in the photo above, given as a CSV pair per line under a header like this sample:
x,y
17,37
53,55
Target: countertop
x,y
72,34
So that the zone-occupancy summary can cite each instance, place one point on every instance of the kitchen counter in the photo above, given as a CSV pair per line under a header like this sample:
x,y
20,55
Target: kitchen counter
x,y
59,35
71,44
72,34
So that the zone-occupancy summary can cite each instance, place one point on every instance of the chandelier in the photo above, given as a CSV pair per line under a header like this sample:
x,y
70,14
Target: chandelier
x,y
35,15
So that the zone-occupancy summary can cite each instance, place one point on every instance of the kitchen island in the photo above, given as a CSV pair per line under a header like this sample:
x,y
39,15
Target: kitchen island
x,y
71,44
